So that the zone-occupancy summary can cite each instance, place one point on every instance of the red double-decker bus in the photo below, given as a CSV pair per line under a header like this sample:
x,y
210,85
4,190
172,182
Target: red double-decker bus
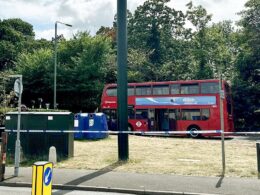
x,y
191,105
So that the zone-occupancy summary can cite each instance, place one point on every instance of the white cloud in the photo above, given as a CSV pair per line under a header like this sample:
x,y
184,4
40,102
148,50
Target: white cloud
x,y
221,9
89,15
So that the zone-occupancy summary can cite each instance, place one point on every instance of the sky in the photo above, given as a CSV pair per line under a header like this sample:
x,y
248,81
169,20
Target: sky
x,y
90,15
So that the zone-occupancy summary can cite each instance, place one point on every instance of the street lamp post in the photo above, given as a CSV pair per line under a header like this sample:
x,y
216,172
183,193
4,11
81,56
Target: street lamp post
x,y
55,62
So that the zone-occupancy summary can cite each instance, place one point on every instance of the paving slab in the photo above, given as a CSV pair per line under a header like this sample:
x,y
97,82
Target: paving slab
x,y
108,180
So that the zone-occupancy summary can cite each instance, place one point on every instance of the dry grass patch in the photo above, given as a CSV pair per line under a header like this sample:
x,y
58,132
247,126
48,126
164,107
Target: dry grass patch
x,y
182,156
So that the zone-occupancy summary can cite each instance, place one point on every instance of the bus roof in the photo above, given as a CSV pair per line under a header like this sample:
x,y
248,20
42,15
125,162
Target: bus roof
x,y
167,82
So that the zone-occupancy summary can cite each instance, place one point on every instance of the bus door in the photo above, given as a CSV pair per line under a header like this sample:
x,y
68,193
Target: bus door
x,y
172,119
111,119
162,119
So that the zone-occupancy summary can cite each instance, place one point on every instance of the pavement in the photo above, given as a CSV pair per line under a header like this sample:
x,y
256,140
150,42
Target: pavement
x,y
107,180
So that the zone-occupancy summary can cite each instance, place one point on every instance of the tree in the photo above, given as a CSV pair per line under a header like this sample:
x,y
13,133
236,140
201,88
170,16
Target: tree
x,y
37,71
109,32
246,84
151,29
199,17
15,34
80,73
222,49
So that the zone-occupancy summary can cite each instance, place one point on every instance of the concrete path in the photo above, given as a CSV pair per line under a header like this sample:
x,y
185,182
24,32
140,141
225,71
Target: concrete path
x,y
133,183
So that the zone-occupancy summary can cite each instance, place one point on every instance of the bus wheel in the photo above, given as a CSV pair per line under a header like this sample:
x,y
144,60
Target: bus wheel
x,y
192,132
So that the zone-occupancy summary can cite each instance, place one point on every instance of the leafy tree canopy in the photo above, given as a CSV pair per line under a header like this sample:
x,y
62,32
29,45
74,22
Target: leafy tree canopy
x,y
14,34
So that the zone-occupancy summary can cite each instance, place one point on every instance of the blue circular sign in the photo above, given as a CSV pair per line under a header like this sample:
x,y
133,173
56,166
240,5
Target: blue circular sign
x,y
47,176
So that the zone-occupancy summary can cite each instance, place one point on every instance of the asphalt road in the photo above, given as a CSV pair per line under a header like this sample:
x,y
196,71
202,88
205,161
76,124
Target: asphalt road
x,y
27,191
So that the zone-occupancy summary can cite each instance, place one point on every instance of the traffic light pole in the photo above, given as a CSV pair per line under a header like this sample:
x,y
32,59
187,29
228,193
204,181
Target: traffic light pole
x,y
123,150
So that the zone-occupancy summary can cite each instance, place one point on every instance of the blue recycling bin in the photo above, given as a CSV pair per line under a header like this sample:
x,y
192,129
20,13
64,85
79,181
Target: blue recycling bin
x,y
95,122
80,124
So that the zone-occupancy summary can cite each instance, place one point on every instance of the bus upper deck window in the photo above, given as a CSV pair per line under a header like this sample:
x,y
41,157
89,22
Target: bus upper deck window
x,y
209,88
130,91
143,90
189,89
161,90
175,89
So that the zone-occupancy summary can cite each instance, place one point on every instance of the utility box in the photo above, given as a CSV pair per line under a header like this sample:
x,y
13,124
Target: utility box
x,y
35,143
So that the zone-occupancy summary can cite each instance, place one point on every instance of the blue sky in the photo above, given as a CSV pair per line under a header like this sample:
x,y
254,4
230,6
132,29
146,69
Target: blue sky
x,y
91,14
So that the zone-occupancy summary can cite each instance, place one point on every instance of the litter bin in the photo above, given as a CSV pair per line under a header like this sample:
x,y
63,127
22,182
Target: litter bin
x,y
80,124
98,124
94,123
35,143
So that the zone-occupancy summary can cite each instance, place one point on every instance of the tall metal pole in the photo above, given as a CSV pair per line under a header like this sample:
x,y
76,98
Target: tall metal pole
x,y
18,143
55,67
221,97
123,151
55,62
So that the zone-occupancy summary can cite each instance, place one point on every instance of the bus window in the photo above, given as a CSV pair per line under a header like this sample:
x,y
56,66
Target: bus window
x,y
175,89
131,113
161,90
112,91
172,114
131,91
143,90
141,114
178,114
190,114
209,88
204,114
189,89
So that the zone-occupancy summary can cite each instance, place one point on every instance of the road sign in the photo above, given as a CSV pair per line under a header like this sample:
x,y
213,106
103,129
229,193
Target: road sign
x,y
47,176
17,87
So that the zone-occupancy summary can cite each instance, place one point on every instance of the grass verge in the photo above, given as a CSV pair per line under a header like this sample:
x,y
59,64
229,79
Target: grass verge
x,y
167,155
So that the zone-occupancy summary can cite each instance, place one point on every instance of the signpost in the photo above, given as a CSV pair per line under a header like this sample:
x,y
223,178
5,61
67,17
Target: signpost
x,y
221,97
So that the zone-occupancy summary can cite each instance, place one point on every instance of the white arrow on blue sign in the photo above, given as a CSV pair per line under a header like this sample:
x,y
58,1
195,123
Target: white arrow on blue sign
x,y
47,176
